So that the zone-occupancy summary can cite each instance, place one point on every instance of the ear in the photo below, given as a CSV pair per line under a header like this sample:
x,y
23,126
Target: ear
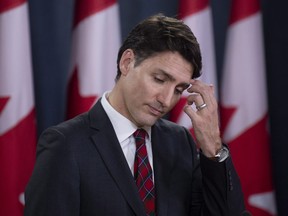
x,y
126,61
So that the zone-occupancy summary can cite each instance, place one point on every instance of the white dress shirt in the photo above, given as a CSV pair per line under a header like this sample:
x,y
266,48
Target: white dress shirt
x,y
124,130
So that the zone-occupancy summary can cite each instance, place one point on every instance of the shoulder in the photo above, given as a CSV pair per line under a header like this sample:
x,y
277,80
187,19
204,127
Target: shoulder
x,y
86,122
71,126
69,131
172,129
166,125
75,124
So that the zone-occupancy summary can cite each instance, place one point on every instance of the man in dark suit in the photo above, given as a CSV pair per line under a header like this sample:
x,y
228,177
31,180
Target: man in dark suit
x,y
96,164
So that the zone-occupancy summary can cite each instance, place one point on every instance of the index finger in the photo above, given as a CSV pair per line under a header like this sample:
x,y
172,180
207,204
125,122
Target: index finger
x,y
205,90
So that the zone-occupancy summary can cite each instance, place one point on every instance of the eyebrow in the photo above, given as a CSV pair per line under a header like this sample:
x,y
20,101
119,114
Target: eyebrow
x,y
183,84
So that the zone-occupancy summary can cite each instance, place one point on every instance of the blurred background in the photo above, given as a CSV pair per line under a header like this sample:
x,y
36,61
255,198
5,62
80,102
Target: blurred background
x,y
56,40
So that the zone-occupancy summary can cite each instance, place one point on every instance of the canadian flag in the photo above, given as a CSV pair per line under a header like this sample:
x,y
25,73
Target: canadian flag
x,y
17,113
244,106
96,40
197,15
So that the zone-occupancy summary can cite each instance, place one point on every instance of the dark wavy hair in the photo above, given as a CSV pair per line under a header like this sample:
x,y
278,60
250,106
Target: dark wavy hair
x,y
158,34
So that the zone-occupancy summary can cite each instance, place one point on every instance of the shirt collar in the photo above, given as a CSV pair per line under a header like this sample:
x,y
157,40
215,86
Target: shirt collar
x,y
123,127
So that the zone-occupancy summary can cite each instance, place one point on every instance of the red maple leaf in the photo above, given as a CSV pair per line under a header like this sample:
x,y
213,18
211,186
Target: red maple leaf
x,y
226,115
251,156
3,102
76,102
176,112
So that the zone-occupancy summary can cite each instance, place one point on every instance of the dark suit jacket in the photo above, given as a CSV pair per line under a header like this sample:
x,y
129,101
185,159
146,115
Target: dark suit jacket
x,y
81,170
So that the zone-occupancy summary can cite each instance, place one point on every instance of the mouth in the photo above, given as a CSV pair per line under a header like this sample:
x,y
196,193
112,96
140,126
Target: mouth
x,y
155,111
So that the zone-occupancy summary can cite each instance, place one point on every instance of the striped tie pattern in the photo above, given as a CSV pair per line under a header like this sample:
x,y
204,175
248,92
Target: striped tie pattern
x,y
143,173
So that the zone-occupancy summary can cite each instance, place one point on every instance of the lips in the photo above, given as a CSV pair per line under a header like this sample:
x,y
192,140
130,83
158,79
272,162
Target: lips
x,y
156,111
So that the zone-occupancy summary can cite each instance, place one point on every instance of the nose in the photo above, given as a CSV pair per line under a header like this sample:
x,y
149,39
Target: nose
x,y
165,97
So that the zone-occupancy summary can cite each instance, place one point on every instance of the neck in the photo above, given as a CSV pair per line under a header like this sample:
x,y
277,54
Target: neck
x,y
116,100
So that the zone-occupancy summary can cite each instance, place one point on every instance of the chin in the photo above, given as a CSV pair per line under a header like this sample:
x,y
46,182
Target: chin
x,y
148,122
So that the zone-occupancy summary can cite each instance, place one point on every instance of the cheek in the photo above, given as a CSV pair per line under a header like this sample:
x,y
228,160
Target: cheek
x,y
140,92
146,87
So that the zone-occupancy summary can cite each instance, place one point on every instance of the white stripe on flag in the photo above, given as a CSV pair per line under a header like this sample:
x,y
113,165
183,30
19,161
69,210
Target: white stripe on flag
x,y
15,66
96,43
244,83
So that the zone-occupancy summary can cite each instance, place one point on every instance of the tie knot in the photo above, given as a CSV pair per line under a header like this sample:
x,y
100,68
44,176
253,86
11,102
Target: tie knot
x,y
140,134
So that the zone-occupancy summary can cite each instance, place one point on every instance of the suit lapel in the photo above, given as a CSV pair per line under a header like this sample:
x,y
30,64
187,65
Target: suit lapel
x,y
163,166
110,150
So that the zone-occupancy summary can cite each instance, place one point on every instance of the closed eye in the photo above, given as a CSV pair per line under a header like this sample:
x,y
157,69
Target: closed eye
x,y
158,80
179,91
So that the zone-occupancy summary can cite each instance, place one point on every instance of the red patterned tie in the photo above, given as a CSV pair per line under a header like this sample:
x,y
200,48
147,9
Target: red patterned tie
x,y
143,173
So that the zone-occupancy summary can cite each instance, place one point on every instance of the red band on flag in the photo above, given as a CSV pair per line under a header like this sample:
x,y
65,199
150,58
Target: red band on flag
x,y
17,157
76,102
85,8
6,5
3,102
189,7
241,9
